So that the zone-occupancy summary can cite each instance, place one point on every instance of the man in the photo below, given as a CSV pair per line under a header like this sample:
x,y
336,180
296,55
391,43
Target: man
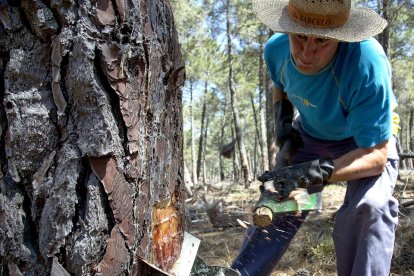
x,y
324,61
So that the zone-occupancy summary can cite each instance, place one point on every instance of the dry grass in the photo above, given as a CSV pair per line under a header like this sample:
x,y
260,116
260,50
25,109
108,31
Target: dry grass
x,y
312,247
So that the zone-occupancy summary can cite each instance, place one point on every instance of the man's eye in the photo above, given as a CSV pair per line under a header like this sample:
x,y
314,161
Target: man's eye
x,y
302,37
321,40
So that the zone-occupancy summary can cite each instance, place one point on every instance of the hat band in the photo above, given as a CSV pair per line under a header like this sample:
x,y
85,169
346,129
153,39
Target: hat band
x,y
317,20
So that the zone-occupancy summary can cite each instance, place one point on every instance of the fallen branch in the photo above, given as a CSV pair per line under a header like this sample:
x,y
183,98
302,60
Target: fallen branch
x,y
225,218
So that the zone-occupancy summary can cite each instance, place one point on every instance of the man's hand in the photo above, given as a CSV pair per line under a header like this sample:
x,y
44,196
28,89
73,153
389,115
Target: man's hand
x,y
302,175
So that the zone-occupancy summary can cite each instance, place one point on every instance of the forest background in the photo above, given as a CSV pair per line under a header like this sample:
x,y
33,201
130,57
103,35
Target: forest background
x,y
226,95
228,114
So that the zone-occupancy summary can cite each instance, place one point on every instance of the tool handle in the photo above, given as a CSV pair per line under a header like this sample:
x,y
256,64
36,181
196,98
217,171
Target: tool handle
x,y
263,216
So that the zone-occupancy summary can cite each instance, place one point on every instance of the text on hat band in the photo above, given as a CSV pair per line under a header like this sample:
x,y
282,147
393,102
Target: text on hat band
x,y
317,20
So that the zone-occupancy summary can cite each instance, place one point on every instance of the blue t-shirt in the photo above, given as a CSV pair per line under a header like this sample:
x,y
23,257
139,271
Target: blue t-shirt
x,y
350,97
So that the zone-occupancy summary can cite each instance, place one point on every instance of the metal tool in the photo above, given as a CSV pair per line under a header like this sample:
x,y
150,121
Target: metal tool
x,y
184,263
271,203
189,263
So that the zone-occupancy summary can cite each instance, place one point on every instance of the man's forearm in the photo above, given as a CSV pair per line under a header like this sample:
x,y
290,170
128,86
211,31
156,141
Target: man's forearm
x,y
360,163
278,95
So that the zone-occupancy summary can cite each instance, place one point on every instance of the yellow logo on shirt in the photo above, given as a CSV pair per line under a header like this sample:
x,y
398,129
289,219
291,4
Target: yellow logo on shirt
x,y
305,102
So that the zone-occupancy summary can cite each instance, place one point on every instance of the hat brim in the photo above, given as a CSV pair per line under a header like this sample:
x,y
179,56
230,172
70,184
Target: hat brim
x,y
361,24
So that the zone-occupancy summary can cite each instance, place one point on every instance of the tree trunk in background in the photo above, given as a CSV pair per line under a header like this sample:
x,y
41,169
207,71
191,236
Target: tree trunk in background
x,y
193,152
410,130
257,139
236,175
402,163
262,119
384,37
201,138
91,137
270,119
188,183
204,152
254,166
223,120
410,138
249,160
233,101
404,137
270,126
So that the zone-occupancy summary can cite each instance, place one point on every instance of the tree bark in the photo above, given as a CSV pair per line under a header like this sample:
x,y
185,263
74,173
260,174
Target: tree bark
x,y
91,137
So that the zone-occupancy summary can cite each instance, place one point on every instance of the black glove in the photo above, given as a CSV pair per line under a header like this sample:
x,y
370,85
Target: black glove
x,y
283,122
287,179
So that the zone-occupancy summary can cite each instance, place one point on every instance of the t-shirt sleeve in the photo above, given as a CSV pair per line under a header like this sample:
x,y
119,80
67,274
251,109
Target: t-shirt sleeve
x,y
369,109
270,54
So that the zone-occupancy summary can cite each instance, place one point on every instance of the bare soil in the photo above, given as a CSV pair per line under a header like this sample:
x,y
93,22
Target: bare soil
x,y
311,249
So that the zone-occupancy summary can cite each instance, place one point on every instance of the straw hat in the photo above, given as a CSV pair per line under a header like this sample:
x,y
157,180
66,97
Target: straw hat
x,y
333,19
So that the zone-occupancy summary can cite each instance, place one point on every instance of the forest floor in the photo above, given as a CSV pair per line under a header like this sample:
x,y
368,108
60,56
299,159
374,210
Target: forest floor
x,y
312,248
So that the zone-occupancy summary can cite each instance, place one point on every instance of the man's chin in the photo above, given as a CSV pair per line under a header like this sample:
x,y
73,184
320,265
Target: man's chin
x,y
307,69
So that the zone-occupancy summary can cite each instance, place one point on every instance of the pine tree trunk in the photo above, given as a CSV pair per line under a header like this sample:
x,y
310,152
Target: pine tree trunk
x,y
223,123
193,151
402,162
203,157
410,139
257,137
262,108
254,167
233,102
188,183
270,126
201,139
270,119
236,175
91,137
384,36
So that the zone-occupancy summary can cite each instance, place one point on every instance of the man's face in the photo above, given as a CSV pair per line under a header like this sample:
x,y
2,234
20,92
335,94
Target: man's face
x,y
311,54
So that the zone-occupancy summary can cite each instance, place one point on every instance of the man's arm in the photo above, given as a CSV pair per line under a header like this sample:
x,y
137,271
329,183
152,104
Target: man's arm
x,y
283,120
278,95
287,138
356,164
359,163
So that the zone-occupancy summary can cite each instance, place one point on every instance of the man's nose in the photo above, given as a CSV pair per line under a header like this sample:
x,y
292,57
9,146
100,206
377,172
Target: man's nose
x,y
309,48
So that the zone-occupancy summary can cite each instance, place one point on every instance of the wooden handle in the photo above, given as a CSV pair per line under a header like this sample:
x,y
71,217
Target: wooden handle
x,y
262,217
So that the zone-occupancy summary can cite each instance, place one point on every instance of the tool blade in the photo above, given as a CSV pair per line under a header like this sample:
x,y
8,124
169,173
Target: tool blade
x,y
184,263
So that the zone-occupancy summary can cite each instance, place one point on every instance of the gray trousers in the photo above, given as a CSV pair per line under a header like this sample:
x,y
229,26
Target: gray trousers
x,y
364,226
